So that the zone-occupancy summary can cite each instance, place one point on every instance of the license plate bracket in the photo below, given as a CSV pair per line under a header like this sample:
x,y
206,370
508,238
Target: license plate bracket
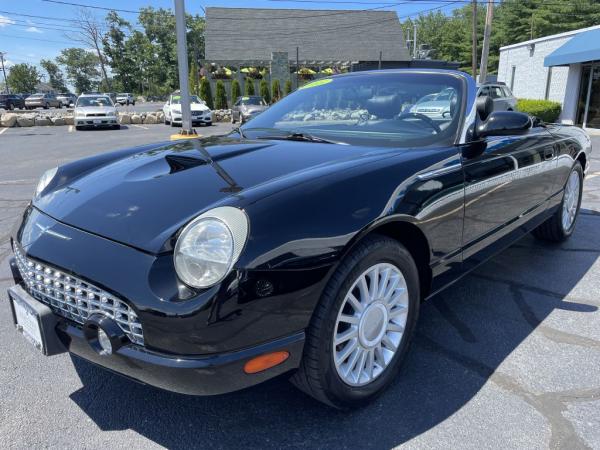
x,y
35,321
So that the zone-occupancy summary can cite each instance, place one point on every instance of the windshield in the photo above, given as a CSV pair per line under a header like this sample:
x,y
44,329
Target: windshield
x,y
253,101
374,109
36,96
122,95
94,101
176,99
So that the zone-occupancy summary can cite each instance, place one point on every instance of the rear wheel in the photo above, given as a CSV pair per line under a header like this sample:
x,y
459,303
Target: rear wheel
x,y
560,226
11,107
362,326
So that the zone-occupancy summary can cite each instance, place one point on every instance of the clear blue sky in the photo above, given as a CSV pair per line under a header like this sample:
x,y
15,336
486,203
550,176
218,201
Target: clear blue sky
x,y
29,39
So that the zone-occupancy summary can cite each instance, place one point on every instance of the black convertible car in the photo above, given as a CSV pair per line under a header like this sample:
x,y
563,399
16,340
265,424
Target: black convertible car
x,y
302,243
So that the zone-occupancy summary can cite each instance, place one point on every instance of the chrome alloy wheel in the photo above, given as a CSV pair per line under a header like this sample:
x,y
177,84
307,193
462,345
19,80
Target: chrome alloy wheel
x,y
570,201
370,324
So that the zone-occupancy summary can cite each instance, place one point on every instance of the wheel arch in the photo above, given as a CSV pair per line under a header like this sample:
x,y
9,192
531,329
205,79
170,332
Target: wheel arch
x,y
407,233
582,158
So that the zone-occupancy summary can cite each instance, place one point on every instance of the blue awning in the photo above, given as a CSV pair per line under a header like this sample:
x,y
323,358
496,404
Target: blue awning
x,y
580,48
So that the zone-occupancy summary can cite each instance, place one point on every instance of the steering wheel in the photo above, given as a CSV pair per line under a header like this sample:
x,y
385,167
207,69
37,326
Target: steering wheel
x,y
422,117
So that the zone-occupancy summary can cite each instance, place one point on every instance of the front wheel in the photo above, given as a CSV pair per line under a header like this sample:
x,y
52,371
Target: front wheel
x,y
362,326
560,226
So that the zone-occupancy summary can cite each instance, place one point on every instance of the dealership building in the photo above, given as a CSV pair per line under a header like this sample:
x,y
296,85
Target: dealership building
x,y
563,67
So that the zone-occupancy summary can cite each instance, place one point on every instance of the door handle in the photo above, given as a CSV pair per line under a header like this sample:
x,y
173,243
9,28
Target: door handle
x,y
548,153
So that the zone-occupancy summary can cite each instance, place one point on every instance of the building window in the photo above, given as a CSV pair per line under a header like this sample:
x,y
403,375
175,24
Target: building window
x,y
512,78
548,82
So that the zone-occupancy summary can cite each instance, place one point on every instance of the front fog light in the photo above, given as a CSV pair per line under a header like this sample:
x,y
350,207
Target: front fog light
x,y
104,341
103,334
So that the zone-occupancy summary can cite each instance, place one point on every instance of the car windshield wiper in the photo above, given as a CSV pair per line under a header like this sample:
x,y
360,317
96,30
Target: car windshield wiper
x,y
294,136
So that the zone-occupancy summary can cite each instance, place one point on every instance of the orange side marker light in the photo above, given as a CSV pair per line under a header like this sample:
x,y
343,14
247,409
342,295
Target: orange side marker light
x,y
264,362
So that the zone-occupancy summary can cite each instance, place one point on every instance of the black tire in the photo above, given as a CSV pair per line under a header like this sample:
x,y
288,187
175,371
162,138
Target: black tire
x,y
232,119
46,106
317,375
208,124
78,128
552,229
116,127
11,107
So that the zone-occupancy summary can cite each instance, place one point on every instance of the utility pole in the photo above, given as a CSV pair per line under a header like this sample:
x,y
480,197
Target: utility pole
x,y
474,39
415,41
182,60
4,72
297,67
379,66
489,15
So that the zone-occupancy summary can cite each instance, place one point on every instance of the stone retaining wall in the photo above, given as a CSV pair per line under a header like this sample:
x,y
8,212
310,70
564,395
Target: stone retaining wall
x,y
42,118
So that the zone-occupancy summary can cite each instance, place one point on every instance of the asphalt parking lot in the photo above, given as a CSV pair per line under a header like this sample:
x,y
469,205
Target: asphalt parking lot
x,y
507,358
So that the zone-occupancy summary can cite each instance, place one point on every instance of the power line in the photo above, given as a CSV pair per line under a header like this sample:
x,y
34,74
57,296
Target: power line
x,y
81,5
12,36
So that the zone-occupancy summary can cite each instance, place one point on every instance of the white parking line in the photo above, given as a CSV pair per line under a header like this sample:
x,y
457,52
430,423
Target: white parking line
x,y
3,130
139,126
70,128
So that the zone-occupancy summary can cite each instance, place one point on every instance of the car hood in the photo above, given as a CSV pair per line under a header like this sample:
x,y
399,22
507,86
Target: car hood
x,y
95,110
193,107
142,198
250,109
432,105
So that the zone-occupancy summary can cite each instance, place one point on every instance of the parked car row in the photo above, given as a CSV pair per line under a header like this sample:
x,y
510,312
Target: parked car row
x,y
44,100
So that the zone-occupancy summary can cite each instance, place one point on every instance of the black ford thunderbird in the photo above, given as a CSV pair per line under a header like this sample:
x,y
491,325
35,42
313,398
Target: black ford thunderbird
x,y
302,243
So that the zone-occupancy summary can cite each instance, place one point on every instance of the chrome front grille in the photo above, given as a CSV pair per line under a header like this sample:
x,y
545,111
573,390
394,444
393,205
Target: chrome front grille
x,y
74,298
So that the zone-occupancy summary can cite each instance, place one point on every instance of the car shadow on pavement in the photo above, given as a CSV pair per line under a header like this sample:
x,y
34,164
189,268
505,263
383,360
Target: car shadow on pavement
x,y
463,336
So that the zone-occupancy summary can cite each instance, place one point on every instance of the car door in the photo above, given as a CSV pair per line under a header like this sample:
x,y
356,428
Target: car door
x,y
497,95
506,183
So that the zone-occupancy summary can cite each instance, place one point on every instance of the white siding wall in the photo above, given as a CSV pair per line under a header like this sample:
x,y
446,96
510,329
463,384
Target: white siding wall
x,y
531,75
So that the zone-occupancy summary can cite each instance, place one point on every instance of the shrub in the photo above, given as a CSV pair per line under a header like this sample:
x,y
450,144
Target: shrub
x,y
236,91
275,91
220,96
264,90
545,110
288,87
206,93
249,86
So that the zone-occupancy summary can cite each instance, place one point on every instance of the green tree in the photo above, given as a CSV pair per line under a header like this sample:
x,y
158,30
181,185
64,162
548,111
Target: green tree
x,y
23,78
119,55
81,67
55,75
193,78
287,88
249,86
264,90
220,95
275,91
206,93
236,91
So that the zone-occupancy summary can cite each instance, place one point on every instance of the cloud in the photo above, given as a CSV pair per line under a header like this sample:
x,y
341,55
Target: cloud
x,y
4,21
33,30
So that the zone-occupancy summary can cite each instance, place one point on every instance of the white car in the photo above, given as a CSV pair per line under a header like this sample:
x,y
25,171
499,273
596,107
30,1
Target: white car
x,y
95,111
201,114
125,98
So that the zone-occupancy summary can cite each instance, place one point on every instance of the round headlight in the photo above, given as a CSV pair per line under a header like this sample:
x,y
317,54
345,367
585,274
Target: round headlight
x,y
208,246
45,180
